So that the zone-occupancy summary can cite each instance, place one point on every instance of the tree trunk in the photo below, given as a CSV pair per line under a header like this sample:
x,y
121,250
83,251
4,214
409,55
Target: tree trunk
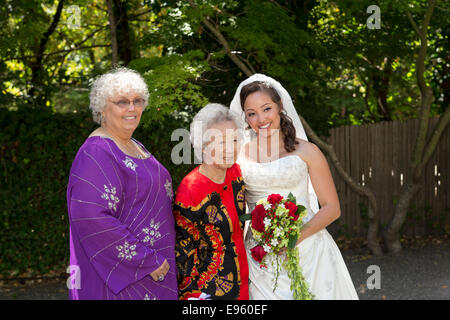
x,y
423,148
123,32
113,32
372,232
446,81
381,79
36,93
391,235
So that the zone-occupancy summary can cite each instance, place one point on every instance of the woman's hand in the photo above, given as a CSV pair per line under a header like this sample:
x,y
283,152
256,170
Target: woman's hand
x,y
160,273
283,251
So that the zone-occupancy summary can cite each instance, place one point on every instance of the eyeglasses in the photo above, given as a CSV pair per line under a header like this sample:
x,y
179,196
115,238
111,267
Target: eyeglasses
x,y
124,103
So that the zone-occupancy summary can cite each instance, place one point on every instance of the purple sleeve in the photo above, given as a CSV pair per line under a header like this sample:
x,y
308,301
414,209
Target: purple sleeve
x,y
95,199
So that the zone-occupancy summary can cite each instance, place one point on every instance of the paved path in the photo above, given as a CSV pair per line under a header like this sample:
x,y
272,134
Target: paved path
x,y
421,273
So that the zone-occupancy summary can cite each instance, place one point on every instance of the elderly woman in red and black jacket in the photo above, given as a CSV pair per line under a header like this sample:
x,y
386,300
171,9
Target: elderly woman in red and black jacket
x,y
210,253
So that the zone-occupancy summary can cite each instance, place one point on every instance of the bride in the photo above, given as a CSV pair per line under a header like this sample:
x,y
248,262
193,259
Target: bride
x,y
277,158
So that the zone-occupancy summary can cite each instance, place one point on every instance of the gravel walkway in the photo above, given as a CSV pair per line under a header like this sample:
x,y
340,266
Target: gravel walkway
x,y
415,273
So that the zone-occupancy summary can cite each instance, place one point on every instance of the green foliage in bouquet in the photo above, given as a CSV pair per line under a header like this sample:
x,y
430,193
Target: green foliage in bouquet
x,y
276,226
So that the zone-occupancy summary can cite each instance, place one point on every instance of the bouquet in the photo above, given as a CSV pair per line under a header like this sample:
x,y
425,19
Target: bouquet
x,y
276,224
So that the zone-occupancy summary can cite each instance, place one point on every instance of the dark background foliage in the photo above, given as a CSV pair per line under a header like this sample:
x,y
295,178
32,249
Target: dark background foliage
x,y
37,150
336,69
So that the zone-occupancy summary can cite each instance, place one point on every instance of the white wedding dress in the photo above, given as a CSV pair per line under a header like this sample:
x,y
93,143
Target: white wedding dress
x,y
321,261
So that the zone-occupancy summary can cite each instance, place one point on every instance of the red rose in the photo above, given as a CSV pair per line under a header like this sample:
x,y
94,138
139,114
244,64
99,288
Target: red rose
x,y
292,209
258,253
274,198
258,215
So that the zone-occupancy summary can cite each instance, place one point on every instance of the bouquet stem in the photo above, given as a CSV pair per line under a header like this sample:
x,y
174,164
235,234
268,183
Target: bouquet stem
x,y
299,286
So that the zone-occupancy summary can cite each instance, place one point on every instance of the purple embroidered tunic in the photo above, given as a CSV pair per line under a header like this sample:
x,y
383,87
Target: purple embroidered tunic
x,y
121,225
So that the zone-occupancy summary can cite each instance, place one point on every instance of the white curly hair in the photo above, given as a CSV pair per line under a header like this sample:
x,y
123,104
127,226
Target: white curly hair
x,y
117,81
209,115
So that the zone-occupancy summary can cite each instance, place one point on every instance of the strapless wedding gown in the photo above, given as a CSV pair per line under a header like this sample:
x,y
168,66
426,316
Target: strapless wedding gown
x,y
321,261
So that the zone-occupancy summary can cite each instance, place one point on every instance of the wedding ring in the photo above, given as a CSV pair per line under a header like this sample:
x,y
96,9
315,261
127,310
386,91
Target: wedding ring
x,y
161,278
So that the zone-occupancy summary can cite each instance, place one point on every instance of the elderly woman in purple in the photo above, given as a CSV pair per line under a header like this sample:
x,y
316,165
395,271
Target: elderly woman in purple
x,y
119,198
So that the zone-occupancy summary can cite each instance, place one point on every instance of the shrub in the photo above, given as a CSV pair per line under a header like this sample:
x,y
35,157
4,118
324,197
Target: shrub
x,y
37,148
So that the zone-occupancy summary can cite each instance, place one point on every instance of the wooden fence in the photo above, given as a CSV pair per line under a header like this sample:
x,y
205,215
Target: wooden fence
x,y
378,156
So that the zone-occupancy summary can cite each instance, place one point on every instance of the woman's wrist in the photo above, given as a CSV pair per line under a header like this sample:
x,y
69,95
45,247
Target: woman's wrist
x,y
303,235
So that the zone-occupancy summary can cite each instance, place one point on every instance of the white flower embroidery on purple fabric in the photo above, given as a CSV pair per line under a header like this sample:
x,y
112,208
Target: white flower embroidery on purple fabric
x,y
152,233
147,297
129,163
168,186
110,196
126,251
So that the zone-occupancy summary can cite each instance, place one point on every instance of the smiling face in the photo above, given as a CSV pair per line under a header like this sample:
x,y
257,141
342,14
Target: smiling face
x,y
121,117
222,150
262,113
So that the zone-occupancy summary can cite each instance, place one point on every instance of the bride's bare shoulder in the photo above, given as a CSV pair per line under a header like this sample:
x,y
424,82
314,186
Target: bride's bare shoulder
x,y
308,151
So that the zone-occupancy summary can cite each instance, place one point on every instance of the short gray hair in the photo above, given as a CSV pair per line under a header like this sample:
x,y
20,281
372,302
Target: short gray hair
x,y
211,114
116,81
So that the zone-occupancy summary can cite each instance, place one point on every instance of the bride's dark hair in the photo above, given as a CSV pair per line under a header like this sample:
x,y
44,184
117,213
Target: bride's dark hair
x,y
287,127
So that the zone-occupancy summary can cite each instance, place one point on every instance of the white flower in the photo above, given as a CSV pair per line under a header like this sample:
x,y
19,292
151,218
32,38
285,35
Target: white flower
x,y
152,233
147,297
110,196
267,206
175,13
278,232
126,251
186,29
129,163
274,242
267,222
266,248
